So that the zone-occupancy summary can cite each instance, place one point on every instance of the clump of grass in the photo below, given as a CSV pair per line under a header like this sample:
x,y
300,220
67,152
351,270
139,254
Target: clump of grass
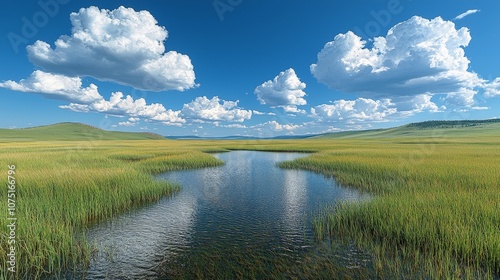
x,y
435,216
61,190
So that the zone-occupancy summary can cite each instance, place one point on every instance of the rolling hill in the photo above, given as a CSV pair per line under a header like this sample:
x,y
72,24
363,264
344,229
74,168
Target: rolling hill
x,y
78,131
70,131
462,128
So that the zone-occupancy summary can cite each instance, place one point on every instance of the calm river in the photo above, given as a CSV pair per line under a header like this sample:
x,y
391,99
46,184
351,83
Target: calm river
x,y
246,219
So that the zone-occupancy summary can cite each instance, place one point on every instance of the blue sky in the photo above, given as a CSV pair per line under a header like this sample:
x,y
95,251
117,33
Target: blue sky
x,y
239,67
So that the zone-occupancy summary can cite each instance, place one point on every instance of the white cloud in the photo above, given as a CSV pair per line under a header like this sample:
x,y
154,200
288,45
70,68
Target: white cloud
x,y
215,109
127,123
357,110
408,106
293,110
462,98
480,108
259,113
118,105
416,57
469,12
370,110
119,45
234,125
275,126
286,89
329,129
492,88
55,86
130,122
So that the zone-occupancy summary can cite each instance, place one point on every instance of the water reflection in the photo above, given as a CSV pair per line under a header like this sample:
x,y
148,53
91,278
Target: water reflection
x,y
247,213
143,238
295,199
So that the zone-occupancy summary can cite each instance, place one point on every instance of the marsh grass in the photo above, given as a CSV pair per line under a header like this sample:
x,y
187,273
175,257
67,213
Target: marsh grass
x,y
435,211
62,189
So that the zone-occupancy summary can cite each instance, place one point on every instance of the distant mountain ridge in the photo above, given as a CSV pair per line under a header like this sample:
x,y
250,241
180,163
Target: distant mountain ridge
x,y
79,131
237,137
71,131
449,124
456,128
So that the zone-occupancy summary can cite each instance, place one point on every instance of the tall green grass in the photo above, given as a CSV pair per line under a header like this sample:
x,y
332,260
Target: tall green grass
x,y
62,189
436,213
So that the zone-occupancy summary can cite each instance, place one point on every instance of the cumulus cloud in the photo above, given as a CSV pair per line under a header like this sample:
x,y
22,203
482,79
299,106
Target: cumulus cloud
x,y
215,109
293,109
127,106
492,88
356,110
462,98
259,113
469,12
275,126
328,130
234,125
285,90
370,110
416,104
130,122
55,86
417,56
119,45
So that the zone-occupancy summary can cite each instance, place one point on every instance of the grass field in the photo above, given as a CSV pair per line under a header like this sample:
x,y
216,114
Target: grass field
x,y
69,132
63,187
436,211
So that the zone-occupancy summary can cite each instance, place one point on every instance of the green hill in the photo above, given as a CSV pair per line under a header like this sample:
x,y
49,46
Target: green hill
x,y
70,131
78,131
462,128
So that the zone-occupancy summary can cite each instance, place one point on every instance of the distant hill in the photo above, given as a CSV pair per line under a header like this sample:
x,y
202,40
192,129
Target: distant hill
x,y
461,128
70,131
78,131
239,137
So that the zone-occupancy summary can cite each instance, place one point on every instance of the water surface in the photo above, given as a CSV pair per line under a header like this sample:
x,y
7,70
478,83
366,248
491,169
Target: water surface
x,y
247,219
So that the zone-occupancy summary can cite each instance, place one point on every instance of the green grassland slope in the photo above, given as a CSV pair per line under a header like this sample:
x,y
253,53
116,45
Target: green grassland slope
x,y
70,131
465,128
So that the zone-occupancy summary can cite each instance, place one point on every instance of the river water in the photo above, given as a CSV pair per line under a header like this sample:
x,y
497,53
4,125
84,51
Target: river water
x,y
246,219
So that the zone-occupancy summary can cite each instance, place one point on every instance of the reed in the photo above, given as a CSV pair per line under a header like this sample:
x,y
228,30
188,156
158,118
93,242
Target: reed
x,y
63,188
435,211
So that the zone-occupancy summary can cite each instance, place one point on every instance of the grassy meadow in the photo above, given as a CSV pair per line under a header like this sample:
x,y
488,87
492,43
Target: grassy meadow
x,y
435,212
63,187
